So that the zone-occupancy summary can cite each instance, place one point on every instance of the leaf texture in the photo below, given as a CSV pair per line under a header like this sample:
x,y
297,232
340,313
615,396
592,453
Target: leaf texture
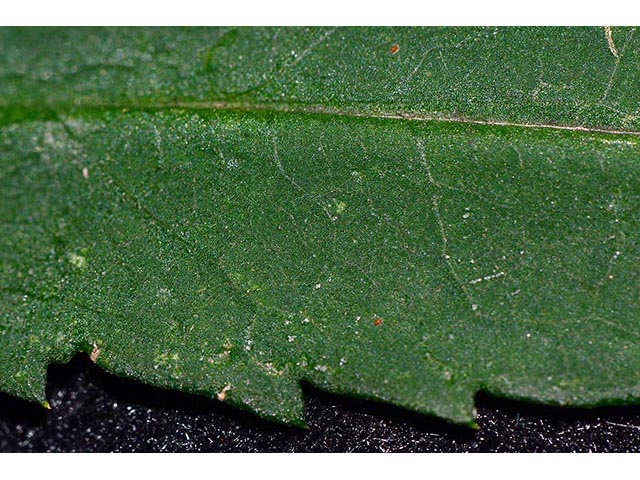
x,y
407,215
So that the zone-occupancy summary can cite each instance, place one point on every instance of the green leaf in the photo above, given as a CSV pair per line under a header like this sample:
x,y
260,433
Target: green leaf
x,y
406,215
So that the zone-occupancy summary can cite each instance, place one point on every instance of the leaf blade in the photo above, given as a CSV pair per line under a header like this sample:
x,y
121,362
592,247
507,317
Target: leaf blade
x,y
416,263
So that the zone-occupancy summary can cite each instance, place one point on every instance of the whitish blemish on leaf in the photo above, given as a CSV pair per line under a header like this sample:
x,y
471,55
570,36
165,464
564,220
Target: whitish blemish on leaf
x,y
164,294
77,261
612,45
222,394
314,44
487,277
340,206
271,369
222,355
95,353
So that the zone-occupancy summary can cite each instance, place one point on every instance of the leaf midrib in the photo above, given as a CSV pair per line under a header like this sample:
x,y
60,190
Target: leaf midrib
x,y
324,110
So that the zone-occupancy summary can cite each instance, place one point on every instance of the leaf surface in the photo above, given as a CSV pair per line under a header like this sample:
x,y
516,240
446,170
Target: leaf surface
x,y
407,215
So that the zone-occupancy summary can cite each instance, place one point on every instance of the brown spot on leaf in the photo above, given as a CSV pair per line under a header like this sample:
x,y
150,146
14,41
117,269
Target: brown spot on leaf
x,y
377,322
394,48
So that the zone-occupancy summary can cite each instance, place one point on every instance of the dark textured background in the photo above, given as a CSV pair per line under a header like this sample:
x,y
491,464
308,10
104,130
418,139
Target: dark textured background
x,y
97,412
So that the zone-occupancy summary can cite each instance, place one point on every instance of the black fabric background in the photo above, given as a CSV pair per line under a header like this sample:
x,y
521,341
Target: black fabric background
x,y
93,411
